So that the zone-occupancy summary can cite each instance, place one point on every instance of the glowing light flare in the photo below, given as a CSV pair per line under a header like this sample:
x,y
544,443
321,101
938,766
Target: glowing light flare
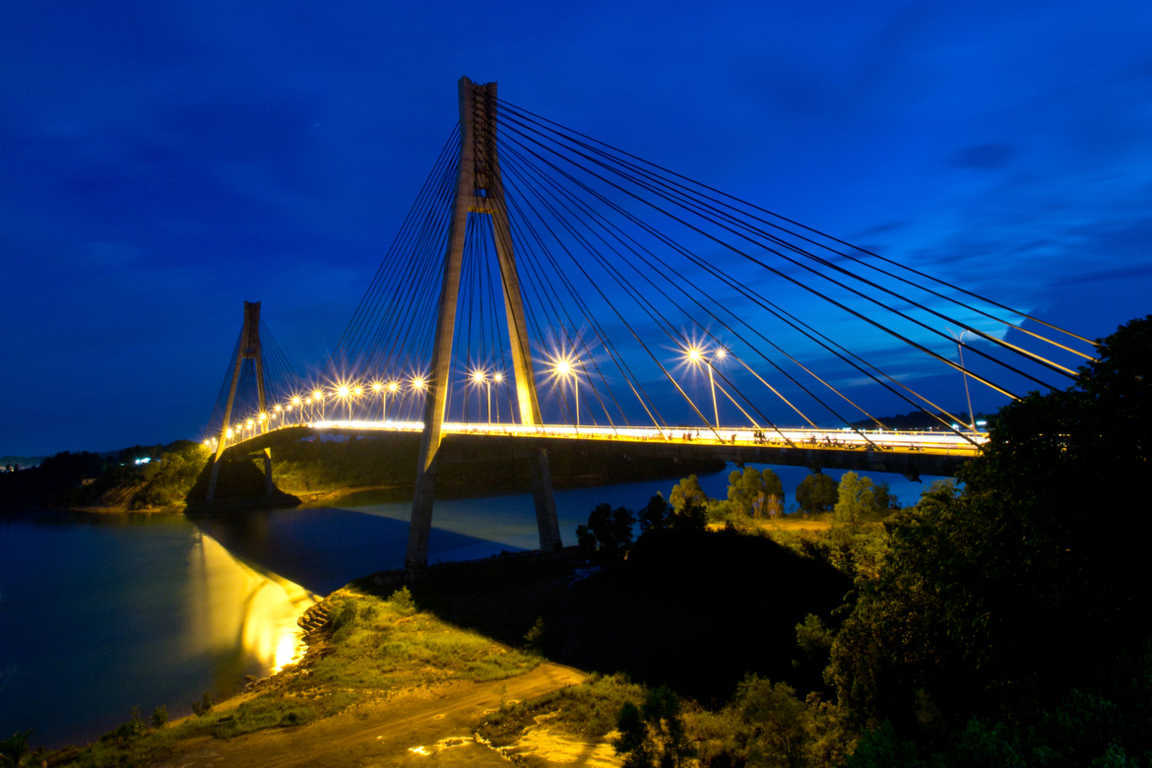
x,y
343,391
478,376
562,368
317,395
419,383
498,377
393,386
296,400
377,387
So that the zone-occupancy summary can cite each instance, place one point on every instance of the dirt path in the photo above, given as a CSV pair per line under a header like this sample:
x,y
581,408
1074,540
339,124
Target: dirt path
x,y
433,729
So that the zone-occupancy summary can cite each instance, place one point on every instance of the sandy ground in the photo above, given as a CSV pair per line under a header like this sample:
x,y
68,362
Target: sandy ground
x,y
432,728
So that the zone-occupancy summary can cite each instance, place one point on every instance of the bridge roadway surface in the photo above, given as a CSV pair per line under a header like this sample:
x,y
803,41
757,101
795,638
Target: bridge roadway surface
x,y
905,452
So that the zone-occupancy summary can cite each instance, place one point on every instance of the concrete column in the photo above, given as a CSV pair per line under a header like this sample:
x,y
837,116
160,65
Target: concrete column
x,y
420,528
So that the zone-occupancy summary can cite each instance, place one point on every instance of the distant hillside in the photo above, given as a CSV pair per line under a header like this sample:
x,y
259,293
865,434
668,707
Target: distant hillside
x,y
23,462
915,420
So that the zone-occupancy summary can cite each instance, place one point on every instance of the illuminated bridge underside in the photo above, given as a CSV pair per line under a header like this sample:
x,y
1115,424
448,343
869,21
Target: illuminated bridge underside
x,y
909,452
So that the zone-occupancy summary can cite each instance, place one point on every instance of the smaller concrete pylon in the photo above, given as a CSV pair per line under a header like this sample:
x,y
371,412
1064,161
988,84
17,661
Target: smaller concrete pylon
x,y
249,348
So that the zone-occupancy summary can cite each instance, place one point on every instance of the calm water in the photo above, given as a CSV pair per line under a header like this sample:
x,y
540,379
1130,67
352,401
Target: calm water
x,y
99,617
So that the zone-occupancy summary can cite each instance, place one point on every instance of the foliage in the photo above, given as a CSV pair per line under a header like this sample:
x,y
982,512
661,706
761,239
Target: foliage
x,y
654,516
687,494
400,601
14,750
814,639
1008,625
203,705
856,544
534,637
816,493
159,716
721,511
167,479
756,493
768,724
653,734
859,500
588,710
608,532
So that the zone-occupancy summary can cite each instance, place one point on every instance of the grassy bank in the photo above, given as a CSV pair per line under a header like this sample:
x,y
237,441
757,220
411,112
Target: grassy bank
x,y
373,648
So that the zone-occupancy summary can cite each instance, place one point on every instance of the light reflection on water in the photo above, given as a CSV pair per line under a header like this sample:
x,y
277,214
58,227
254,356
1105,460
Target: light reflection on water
x,y
233,604
98,617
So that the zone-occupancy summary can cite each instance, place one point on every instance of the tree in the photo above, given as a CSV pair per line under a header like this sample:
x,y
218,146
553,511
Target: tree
x,y
779,720
654,732
585,540
600,524
632,742
622,522
687,493
1010,607
689,506
756,493
855,500
608,531
654,516
14,749
816,493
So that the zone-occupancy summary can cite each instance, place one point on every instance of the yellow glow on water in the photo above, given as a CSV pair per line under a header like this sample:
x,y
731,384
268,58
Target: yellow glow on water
x,y
232,600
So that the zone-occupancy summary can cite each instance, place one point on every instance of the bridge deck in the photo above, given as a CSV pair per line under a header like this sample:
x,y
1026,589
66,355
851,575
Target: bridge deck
x,y
905,452
888,441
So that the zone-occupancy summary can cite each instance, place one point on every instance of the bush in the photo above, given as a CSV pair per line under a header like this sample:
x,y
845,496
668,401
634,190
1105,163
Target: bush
x,y
402,601
159,716
203,706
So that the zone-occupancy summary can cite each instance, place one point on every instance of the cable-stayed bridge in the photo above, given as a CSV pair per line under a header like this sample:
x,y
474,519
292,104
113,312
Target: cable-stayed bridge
x,y
547,286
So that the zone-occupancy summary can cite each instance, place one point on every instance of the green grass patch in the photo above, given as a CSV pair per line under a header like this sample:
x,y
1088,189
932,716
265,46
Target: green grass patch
x,y
588,710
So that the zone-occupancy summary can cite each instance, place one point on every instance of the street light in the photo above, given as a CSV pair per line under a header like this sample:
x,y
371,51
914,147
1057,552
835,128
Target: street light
x,y
344,392
694,354
357,393
318,397
964,375
565,368
419,383
480,376
498,377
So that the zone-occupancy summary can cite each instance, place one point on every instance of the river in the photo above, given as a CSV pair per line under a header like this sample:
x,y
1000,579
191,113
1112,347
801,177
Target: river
x,y
100,616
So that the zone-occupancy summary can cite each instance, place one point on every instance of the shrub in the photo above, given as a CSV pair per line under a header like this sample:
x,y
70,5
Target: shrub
x,y
159,716
401,600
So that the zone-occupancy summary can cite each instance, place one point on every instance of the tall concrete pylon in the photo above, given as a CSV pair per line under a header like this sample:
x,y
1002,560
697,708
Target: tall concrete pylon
x,y
479,190
249,349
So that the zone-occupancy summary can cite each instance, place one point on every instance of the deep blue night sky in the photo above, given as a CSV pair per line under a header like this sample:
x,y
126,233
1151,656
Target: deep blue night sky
x,y
162,162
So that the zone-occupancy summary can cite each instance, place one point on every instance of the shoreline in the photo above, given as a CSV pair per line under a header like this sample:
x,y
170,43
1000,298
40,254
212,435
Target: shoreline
x,y
321,699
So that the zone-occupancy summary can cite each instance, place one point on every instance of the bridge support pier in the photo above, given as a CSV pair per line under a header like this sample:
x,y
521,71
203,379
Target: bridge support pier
x,y
249,348
479,190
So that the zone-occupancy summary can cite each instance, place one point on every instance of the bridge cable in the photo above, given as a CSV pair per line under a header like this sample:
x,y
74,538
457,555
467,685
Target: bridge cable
x,y
539,119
